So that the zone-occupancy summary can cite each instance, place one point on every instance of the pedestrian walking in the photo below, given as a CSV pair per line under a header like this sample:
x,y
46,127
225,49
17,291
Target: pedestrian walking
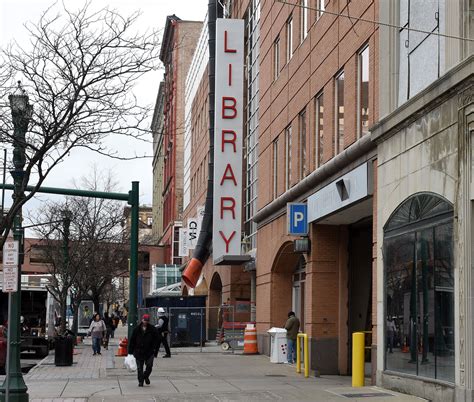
x,y
109,325
163,331
144,346
97,331
391,331
292,327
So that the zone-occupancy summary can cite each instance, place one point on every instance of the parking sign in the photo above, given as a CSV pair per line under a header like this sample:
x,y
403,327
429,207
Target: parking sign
x,y
297,215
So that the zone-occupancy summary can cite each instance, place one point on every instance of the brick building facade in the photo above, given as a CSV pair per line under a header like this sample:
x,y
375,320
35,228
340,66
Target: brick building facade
x,y
179,42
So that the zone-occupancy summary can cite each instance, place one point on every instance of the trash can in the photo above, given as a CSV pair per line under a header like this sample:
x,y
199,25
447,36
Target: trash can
x,y
63,350
279,346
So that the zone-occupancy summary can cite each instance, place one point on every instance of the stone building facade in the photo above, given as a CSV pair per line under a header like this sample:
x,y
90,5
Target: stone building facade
x,y
425,207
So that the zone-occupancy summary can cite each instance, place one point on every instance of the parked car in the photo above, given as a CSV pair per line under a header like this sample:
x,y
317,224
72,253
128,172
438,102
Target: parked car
x,y
3,348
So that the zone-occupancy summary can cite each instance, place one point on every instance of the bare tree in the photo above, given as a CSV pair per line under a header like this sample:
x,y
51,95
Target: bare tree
x,y
93,254
79,72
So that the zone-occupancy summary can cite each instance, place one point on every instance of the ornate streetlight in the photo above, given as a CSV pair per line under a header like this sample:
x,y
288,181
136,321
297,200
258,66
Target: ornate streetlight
x,y
14,387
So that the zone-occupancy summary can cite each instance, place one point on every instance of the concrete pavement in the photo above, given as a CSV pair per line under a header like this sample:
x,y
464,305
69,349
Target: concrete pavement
x,y
189,377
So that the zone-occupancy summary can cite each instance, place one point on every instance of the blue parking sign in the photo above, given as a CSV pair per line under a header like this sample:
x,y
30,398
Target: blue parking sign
x,y
297,216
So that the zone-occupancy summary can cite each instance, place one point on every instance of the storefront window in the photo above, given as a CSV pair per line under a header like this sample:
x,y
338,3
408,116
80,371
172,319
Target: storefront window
x,y
419,283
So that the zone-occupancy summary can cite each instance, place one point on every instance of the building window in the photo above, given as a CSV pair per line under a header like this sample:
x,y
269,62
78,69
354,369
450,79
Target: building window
x,y
302,143
415,48
251,111
419,288
339,135
276,58
275,169
287,157
289,39
304,19
319,130
363,93
321,8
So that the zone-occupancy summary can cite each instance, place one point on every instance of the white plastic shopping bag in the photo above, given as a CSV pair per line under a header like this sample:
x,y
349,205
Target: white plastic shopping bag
x,y
130,363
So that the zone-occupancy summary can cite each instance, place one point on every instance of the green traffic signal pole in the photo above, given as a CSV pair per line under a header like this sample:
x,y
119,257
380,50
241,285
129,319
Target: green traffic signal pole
x,y
132,197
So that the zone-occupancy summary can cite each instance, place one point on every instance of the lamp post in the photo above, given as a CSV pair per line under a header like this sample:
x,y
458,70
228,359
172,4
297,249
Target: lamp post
x,y
21,114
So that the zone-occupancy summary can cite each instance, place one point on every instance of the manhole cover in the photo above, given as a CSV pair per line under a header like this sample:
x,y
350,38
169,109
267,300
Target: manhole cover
x,y
367,395
275,375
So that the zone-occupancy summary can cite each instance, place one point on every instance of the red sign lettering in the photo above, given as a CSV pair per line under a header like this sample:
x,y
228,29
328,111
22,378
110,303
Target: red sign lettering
x,y
229,140
226,49
227,240
231,176
230,208
231,107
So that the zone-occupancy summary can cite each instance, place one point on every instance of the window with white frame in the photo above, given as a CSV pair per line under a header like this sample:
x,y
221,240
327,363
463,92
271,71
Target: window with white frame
x,y
287,157
304,19
339,115
302,143
289,38
275,168
321,8
319,129
276,58
363,93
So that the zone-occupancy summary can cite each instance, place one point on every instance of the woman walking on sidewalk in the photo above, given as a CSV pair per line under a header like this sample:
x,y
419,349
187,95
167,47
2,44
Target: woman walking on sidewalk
x,y
97,331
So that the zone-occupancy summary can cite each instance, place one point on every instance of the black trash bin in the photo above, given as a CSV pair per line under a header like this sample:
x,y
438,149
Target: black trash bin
x,y
63,350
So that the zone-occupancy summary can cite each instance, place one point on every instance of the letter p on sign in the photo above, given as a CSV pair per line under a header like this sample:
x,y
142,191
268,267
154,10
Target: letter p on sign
x,y
297,215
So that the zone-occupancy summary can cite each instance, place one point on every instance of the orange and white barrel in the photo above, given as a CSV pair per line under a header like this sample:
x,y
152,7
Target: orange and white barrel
x,y
250,340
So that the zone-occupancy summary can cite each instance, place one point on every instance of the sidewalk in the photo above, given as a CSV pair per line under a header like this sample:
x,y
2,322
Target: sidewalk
x,y
188,377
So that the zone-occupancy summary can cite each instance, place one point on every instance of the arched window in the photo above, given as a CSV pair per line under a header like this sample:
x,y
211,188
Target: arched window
x,y
419,288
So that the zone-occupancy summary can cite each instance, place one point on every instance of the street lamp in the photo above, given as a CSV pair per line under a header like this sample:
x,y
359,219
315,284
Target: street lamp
x,y
14,387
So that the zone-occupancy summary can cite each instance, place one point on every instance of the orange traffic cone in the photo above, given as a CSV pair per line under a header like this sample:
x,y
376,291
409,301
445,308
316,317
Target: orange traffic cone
x,y
192,272
123,346
250,340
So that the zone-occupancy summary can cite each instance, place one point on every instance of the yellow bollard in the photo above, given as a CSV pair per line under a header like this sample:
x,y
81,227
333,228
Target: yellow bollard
x,y
306,354
358,359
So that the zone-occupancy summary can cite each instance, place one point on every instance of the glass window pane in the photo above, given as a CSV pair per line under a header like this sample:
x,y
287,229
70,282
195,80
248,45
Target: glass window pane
x,y
425,296
400,304
320,129
363,95
444,302
340,113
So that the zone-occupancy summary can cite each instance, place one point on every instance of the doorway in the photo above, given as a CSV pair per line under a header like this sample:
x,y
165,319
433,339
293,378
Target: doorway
x,y
298,294
360,284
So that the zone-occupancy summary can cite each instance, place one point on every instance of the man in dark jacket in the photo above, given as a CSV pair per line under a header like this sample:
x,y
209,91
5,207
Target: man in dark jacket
x,y
292,327
144,346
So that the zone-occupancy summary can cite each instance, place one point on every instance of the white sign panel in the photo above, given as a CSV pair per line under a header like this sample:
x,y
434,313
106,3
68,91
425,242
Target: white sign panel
x,y
228,133
183,242
193,233
342,192
11,249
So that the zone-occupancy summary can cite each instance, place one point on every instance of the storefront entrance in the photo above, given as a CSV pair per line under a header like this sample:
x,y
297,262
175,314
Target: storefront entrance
x,y
360,284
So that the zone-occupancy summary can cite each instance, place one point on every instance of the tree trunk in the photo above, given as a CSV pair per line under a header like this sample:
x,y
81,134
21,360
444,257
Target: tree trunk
x,y
63,310
95,299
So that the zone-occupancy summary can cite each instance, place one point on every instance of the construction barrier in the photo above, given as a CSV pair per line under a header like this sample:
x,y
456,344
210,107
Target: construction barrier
x,y
358,359
305,353
250,340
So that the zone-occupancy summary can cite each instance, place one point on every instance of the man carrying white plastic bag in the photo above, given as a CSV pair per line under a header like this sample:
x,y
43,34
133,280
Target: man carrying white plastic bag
x,y
130,363
144,347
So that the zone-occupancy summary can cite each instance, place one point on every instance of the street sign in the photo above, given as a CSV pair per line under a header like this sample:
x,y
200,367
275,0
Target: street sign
x,y
297,216
11,249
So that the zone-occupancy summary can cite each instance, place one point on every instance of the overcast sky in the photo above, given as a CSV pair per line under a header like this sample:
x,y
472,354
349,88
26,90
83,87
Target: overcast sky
x,y
14,13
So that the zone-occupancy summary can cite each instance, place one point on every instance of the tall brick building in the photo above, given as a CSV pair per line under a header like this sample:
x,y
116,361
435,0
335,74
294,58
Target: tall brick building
x,y
370,126
177,49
